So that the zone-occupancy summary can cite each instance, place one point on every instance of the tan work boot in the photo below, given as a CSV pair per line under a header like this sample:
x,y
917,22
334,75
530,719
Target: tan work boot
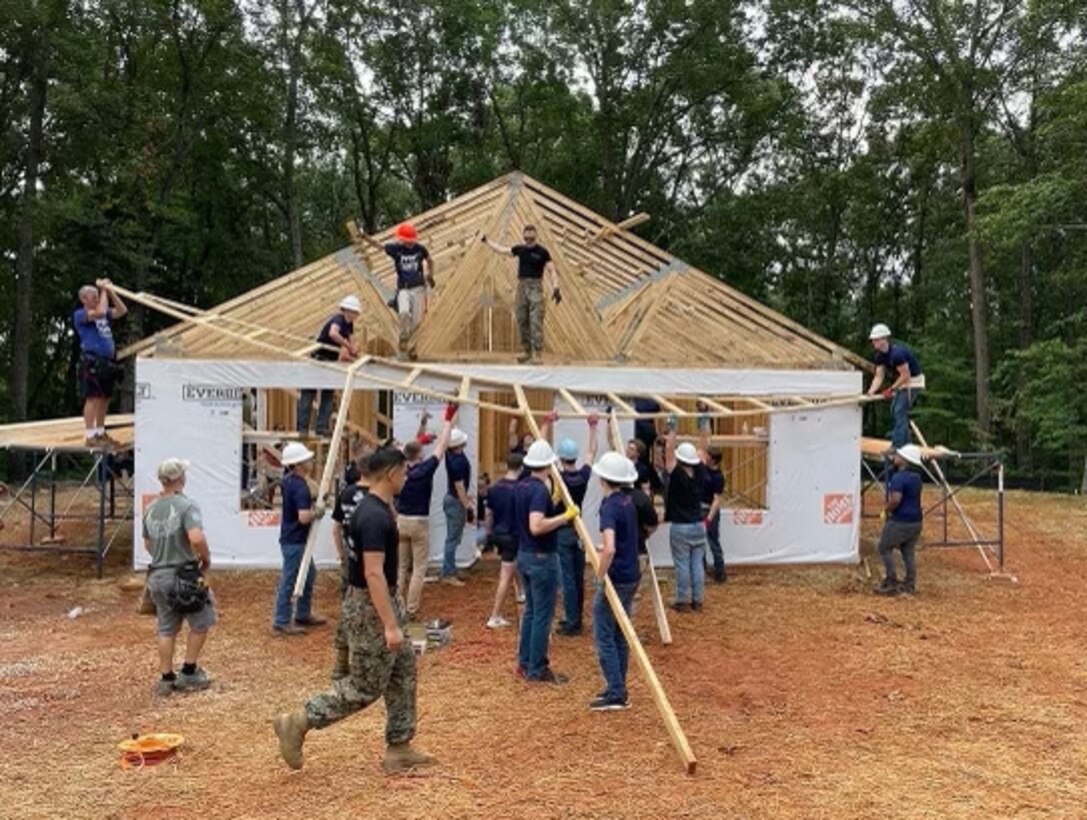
x,y
291,728
524,357
342,667
535,358
400,757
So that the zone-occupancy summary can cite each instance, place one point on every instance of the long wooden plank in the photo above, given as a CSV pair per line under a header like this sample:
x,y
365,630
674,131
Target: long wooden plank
x,y
671,722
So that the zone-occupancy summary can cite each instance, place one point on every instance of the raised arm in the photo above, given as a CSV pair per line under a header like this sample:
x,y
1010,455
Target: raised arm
x,y
494,246
514,436
119,307
670,444
594,419
547,426
102,307
447,431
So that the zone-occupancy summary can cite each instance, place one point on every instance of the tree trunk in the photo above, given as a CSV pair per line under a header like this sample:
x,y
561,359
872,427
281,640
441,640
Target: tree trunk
x,y
24,259
1083,483
978,308
290,150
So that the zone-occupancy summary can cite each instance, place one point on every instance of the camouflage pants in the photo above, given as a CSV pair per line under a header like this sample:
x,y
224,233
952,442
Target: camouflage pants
x,y
375,673
530,313
340,641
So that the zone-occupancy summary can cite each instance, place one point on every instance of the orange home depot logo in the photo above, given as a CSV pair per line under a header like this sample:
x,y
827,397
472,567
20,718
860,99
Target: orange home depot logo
x,y
747,518
262,518
838,508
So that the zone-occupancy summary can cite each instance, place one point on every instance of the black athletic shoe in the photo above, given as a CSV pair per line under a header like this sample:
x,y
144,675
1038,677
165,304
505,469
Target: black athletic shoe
x,y
554,678
888,587
696,606
603,703
719,576
680,607
907,589
569,631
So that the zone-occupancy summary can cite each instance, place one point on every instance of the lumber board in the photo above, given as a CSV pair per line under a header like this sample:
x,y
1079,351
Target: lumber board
x,y
668,715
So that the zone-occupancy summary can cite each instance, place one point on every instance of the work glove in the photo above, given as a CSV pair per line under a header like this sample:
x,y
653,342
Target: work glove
x,y
552,416
883,516
319,511
672,423
570,513
556,492
888,393
450,411
426,438
556,296
594,418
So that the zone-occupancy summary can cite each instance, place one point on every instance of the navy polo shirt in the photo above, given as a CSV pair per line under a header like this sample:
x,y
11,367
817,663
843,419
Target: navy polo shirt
x,y
908,483
457,468
714,485
896,355
533,496
577,482
645,429
617,513
296,496
502,500
418,487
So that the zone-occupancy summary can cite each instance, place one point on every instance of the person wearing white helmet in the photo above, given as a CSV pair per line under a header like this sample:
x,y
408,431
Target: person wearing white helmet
x,y
298,515
903,520
457,504
571,554
538,519
683,510
619,533
334,344
894,358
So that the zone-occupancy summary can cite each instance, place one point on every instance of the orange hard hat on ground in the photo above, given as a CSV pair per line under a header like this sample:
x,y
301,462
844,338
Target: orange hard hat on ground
x,y
407,232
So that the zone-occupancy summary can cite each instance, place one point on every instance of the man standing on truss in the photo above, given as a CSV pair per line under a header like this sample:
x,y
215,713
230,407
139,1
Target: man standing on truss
x,y
414,274
907,380
533,263
100,306
335,345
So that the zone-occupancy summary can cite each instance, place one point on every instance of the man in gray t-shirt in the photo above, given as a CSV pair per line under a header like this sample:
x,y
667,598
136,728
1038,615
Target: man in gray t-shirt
x,y
173,534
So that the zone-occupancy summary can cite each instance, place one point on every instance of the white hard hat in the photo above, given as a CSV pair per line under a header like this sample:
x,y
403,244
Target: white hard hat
x,y
172,469
295,453
539,455
687,454
351,303
880,331
457,437
616,468
910,452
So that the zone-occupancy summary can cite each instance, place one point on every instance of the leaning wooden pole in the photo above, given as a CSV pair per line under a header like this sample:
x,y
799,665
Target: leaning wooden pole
x,y
331,460
671,723
659,610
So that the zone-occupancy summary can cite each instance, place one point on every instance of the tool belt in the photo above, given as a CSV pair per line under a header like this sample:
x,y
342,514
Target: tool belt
x,y
190,589
102,369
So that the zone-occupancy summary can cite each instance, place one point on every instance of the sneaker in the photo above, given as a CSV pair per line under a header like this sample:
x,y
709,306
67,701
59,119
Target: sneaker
x,y
678,607
312,620
907,589
719,576
888,587
288,631
193,683
606,703
696,605
497,622
569,631
535,358
164,688
554,678
520,597
452,580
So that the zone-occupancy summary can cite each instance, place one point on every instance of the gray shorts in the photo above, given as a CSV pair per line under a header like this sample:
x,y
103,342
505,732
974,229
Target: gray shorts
x,y
160,585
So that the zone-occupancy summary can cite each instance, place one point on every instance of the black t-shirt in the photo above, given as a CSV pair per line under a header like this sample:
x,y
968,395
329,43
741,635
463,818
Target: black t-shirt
x,y
646,429
325,337
408,260
683,503
531,260
647,516
373,529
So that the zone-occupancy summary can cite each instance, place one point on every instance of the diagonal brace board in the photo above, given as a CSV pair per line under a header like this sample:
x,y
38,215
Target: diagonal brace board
x,y
679,739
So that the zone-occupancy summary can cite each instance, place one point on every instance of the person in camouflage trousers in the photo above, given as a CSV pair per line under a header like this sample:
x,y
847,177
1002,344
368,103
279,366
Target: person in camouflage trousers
x,y
381,661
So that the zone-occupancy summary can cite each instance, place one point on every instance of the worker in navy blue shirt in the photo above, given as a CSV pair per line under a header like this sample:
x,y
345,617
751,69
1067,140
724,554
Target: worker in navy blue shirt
x,y
334,344
713,489
903,522
899,362
457,504
299,513
99,307
413,514
619,562
539,516
534,263
647,432
571,555
502,530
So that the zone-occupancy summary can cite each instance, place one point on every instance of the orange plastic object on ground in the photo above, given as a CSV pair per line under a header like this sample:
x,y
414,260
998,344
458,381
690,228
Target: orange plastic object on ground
x,y
148,750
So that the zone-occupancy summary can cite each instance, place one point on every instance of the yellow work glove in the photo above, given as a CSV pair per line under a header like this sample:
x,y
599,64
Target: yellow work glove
x,y
883,516
570,513
556,492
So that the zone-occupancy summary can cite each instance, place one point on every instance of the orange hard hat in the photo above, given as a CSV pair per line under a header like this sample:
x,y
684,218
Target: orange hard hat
x,y
407,232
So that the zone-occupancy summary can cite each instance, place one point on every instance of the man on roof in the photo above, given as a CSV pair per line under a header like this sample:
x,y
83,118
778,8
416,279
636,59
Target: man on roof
x,y
414,273
99,306
334,344
899,362
533,264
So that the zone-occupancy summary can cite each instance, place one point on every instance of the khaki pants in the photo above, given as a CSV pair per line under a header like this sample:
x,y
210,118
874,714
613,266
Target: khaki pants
x,y
530,314
411,305
414,555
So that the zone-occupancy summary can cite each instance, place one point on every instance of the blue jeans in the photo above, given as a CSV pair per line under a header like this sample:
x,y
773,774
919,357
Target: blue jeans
x,y
305,407
688,543
901,403
455,517
572,571
611,645
292,562
713,538
540,582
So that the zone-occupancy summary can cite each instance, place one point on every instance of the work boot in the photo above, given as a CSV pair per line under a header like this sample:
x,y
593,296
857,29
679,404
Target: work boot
x,y
288,631
888,587
535,358
291,728
400,757
719,576
452,580
193,683
312,620
524,357
342,668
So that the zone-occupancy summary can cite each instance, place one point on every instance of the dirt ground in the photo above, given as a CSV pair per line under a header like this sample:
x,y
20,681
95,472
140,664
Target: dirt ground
x,y
802,694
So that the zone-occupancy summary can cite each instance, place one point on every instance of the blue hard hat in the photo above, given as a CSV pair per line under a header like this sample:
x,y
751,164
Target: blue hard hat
x,y
568,450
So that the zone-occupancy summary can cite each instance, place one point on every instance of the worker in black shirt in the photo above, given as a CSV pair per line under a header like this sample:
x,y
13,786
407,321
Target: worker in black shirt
x,y
414,280
346,502
683,510
382,660
533,263
334,344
